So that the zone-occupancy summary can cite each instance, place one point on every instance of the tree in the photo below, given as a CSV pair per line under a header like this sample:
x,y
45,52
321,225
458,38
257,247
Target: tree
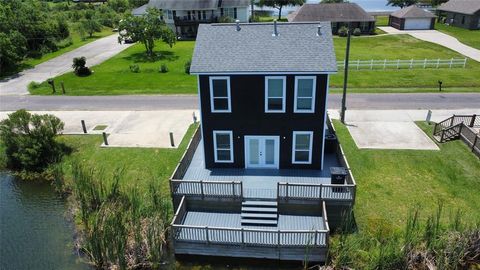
x,y
147,29
279,4
30,140
401,3
12,49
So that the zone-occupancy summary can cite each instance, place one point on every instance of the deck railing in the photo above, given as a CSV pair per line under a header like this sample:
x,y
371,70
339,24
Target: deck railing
x,y
468,120
291,191
219,189
248,236
187,157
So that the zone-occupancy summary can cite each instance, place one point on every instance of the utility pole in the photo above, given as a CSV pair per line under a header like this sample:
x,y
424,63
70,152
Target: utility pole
x,y
345,77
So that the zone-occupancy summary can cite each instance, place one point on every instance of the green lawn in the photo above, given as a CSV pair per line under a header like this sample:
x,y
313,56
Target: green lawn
x,y
381,21
113,77
142,165
469,37
392,182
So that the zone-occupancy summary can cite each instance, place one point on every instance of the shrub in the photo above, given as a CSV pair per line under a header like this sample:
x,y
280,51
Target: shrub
x,y
225,19
79,66
343,31
134,68
187,66
357,32
30,140
163,68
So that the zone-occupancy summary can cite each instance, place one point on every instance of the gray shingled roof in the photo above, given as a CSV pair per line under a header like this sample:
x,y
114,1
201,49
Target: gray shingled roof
x,y
221,49
196,4
461,6
412,12
334,12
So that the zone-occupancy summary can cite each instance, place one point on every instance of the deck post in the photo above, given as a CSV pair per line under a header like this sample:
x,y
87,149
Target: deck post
x,y
278,238
315,239
320,195
233,189
243,237
472,122
241,189
206,233
201,188
286,191
474,143
441,137
451,120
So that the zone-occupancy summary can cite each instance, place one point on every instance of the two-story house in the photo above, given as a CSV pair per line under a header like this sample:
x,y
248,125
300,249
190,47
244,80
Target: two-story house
x,y
184,16
255,181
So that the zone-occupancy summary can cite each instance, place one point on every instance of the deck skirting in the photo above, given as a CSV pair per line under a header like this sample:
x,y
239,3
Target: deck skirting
x,y
273,253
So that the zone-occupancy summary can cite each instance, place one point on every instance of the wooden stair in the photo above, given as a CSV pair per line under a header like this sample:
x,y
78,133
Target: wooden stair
x,y
259,213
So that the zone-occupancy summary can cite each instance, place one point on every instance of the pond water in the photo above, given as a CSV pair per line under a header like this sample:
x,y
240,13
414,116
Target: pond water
x,y
34,233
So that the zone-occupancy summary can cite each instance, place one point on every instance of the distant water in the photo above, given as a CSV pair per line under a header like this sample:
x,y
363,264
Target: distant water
x,y
368,5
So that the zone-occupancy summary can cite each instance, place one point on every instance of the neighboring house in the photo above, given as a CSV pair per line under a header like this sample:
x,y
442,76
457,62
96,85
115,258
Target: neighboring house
x,y
412,18
461,13
340,14
256,181
184,16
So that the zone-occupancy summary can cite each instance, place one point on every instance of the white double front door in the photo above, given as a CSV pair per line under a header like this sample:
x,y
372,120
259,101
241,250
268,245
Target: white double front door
x,y
262,152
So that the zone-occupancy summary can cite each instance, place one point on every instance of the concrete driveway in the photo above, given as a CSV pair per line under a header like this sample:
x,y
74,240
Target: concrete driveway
x,y
96,52
393,129
128,128
439,38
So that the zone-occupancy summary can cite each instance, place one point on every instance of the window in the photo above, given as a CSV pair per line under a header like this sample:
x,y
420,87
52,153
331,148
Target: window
x,y
305,87
220,94
169,15
275,94
302,147
229,12
223,146
463,19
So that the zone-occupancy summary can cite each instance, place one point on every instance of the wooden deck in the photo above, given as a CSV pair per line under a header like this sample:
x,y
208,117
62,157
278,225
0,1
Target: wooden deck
x,y
258,183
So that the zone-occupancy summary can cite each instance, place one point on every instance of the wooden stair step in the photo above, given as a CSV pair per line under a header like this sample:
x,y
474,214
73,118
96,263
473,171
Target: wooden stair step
x,y
260,203
259,209
259,222
258,216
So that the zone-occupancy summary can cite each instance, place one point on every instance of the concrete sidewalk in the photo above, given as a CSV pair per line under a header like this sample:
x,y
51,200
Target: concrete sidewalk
x,y
128,128
439,38
96,52
393,129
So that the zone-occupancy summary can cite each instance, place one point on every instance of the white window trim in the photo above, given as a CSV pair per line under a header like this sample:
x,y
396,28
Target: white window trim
x,y
212,109
284,78
295,133
230,133
314,78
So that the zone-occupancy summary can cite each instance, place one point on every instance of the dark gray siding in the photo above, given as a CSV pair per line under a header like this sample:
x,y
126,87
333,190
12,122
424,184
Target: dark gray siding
x,y
462,20
248,117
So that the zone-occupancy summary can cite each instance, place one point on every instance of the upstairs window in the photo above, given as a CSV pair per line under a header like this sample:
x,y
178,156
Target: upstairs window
x,y
302,147
275,94
169,15
305,94
223,146
220,94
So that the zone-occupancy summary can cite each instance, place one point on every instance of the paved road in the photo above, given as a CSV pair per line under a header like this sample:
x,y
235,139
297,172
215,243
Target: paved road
x,y
440,38
95,52
158,102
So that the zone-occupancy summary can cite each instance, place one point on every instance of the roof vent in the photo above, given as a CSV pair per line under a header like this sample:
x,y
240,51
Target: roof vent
x,y
319,30
238,25
275,30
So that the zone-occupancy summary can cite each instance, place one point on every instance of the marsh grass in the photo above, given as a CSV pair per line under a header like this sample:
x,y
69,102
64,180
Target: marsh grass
x,y
122,227
436,242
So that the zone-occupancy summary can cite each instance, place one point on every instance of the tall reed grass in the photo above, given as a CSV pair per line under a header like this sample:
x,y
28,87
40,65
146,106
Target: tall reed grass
x,y
124,226
434,242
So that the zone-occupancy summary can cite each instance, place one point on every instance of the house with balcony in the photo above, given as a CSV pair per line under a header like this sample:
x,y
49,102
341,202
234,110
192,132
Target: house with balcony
x,y
264,176
184,16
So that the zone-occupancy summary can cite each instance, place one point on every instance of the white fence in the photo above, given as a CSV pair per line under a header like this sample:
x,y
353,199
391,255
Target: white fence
x,y
404,64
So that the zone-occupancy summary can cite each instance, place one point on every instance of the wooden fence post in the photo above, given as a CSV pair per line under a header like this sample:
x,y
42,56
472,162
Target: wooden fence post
x,y
425,63
411,63
384,63
464,62
398,63
371,64
451,62
474,143
438,62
